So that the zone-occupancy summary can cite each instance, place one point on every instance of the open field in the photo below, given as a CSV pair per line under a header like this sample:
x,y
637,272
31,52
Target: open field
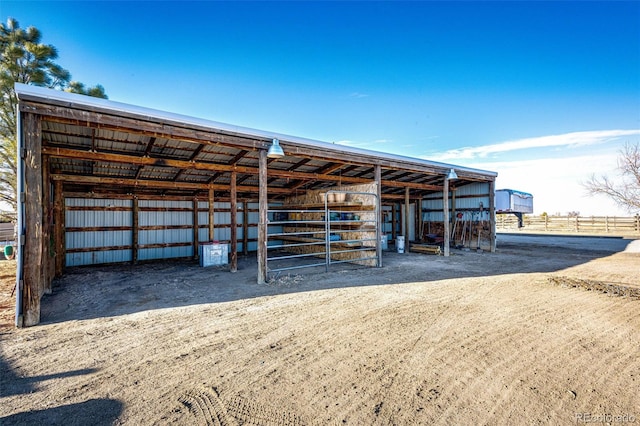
x,y
476,338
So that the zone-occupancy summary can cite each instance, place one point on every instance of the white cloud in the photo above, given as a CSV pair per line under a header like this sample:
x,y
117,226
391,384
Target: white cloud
x,y
574,139
358,95
554,181
556,184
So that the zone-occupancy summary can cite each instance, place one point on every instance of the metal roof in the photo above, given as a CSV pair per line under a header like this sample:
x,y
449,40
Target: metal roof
x,y
156,146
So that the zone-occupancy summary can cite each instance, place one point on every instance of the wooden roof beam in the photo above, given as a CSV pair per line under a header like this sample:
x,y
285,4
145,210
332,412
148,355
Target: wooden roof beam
x,y
237,157
181,164
330,168
155,184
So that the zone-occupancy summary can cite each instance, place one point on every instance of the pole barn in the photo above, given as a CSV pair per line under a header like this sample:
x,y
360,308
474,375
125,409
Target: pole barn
x,y
104,182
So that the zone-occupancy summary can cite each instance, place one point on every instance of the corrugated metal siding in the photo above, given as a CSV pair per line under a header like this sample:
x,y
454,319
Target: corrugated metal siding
x,y
107,218
86,239
164,253
98,257
164,236
468,199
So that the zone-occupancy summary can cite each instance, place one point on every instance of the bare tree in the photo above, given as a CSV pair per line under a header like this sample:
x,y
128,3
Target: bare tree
x,y
625,190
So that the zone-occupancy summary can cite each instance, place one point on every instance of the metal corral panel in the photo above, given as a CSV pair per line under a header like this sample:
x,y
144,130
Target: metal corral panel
x,y
97,239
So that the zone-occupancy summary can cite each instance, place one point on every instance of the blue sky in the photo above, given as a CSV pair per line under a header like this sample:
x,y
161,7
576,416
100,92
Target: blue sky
x,y
544,93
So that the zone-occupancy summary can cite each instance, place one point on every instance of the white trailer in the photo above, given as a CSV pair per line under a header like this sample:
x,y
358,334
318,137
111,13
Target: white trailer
x,y
515,202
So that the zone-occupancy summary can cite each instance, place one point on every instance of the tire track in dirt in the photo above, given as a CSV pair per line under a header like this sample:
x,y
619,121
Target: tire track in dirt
x,y
206,406
383,366
365,355
514,370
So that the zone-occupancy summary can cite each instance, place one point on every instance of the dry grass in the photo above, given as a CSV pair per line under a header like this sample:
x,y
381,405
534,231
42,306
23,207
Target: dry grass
x,y
7,295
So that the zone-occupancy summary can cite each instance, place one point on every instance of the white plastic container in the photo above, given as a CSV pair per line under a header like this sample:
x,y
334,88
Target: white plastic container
x,y
400,243
384,245
212,254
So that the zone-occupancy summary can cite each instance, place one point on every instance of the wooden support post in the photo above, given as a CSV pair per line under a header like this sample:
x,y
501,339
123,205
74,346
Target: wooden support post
x,y
492,215
394,223
245,228
47,224
445,211
211,218
420,223
378,178
262,222
453,211
196,229
58,213
134,230
405,222
233,267
33,221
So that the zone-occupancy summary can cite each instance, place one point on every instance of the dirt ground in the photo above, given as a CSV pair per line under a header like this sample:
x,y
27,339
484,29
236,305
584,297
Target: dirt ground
x,y
476,338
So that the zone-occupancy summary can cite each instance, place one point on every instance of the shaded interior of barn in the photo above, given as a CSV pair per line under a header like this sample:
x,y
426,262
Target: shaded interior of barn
x,y
127,184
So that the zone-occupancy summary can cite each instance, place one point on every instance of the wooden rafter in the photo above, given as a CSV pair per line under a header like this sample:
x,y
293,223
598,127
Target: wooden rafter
x,y
182,164
330,168
156,184
135,124
237,157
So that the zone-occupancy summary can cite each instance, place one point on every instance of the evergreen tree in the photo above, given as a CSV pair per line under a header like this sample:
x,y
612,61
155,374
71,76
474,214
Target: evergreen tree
x,y
25,59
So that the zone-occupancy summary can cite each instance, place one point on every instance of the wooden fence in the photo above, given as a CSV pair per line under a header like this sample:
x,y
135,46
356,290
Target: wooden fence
x,y
614,225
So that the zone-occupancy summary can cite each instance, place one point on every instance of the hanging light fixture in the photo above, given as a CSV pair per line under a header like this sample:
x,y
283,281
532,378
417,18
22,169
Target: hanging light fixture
x,y
275,150
452,175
